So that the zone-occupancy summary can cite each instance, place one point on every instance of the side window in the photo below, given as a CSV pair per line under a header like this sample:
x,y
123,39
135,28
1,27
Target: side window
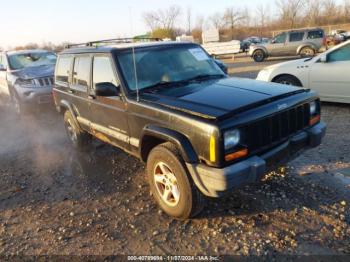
x,y
280,39
63,69
81,71
341,54
103,71
296,37
315,34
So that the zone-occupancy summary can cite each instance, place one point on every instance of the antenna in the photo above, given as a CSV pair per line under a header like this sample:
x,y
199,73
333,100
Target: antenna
x,y
134,57
136,79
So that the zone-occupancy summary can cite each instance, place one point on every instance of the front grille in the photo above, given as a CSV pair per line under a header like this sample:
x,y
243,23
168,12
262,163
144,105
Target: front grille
x,y
269,131
46,81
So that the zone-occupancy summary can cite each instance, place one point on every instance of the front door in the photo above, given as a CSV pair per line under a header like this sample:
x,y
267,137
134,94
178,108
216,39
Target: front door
x,y
277,46
109,119
332,79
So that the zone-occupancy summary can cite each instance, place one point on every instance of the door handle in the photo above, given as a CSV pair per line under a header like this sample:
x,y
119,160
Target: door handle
x,y
91,97
71,91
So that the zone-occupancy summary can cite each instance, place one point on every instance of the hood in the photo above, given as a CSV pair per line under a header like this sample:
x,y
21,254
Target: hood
x,y
217,98
293,63
35,72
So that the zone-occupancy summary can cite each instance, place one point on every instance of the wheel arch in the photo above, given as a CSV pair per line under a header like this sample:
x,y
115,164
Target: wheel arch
x,y
64,105
312,46
289,75
153,136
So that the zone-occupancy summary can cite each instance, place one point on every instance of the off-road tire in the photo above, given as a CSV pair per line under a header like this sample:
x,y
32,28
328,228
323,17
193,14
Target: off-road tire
x,y
191,201
259,56
16,105
307,51
288,80
79,138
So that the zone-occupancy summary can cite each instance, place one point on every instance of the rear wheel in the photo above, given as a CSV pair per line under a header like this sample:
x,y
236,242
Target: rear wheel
x,y
79,138
259,55
307,52
288,80
170,183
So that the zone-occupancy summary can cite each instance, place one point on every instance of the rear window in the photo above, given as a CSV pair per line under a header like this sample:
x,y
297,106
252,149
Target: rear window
x,y
81,72
295,37
315,34
63,69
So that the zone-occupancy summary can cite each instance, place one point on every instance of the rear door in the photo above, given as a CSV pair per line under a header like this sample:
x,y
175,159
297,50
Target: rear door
x,y
109,117
295,40
332,79
80,84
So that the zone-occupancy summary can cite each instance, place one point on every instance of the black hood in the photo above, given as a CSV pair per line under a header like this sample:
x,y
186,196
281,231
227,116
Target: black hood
x,y
217,98
35,72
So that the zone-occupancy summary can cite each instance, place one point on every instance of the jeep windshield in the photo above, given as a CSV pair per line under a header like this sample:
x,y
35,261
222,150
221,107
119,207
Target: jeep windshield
x,y
30,59
167,66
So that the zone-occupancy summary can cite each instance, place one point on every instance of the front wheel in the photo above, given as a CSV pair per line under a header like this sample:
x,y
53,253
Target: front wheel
x,y
259,56
171,185
79,138
288,80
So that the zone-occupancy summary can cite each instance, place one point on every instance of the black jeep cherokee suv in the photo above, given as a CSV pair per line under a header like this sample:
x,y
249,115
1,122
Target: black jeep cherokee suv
x,y
170,104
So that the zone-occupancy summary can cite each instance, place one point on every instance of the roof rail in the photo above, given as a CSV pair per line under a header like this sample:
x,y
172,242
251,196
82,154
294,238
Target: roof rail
x,y
114,41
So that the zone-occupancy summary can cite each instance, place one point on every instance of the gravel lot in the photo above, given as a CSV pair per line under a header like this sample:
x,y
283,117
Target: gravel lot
x,y
56,201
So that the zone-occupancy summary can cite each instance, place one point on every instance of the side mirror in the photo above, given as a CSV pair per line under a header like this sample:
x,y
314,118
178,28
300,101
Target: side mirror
x,y
323,58
2,68
222,66
106,89
273,41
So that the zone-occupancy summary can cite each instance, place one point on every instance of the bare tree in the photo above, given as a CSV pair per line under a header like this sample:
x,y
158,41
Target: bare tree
x,y
231,18
313,12
189,20
346,8
289,11
330,11
217,20
261,13
163,19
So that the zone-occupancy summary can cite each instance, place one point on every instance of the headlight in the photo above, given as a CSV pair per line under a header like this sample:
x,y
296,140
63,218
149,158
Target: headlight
x,y
313,108
232,139
25,83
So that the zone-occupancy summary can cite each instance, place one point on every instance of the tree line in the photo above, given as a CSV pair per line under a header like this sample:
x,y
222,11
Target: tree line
x,y
238,23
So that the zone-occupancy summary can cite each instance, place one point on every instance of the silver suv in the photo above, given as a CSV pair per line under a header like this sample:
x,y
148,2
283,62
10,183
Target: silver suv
x,y
299,42
26,78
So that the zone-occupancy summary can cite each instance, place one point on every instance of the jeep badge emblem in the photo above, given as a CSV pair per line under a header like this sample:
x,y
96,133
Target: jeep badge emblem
x,y
282,106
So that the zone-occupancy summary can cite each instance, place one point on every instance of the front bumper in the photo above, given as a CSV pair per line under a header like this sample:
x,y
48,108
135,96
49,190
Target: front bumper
x,y
35,96
215,182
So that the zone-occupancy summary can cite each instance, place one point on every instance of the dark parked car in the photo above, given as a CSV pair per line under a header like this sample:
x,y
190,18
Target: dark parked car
x,y
27,78
200,132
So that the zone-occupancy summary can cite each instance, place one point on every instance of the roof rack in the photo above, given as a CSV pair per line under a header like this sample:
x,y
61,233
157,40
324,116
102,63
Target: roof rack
x,y
114,41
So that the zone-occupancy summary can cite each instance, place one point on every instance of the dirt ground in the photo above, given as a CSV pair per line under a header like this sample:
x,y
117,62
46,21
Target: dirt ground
x,y
57,201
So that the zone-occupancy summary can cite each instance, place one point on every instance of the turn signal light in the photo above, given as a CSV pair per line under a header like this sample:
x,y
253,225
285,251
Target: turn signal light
x,y
236,155
315,120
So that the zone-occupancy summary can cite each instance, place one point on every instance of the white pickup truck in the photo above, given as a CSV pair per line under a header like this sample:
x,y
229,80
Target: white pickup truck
x,y
212,44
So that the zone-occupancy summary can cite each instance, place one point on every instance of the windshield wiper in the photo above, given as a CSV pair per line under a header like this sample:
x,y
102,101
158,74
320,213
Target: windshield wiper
x,y
204,77
162,84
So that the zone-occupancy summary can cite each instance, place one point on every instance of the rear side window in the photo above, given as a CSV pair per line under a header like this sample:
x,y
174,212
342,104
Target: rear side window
x,y
315,34
296,37
81,72
63,68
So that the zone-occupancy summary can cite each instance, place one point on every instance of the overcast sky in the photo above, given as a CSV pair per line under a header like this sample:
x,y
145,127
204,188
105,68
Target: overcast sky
x,y
24,21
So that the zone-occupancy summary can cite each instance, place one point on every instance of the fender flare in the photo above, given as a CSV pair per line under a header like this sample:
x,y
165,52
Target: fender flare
x,y
66,105
168,135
